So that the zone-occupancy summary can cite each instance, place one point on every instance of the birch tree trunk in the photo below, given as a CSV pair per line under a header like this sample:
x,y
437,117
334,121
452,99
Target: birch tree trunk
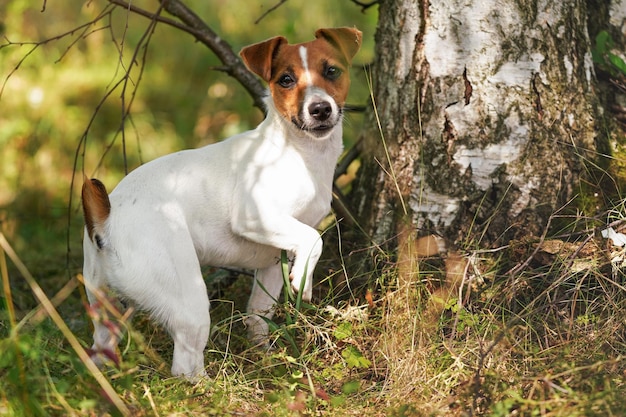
x,y
487,114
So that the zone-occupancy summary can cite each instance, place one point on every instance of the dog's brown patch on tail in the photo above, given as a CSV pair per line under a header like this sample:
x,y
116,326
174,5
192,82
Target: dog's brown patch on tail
x,y
96,207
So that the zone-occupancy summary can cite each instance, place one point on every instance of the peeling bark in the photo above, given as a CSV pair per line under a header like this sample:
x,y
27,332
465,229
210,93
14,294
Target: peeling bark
x,y
488,111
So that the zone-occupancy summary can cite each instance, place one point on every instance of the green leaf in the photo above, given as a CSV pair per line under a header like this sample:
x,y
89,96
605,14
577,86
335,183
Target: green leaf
x,y
354,358
272,397
284,263
452,304
87,404
603,42
618,63
338,400
350,387
343,331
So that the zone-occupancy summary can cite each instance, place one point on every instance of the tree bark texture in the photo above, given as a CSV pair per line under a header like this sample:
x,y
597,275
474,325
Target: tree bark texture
x,y
488,113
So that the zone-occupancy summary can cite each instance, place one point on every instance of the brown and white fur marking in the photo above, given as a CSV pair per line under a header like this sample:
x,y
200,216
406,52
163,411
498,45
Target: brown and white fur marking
x,y
233,203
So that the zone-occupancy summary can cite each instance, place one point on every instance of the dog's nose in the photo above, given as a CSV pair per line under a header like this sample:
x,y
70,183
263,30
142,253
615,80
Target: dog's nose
x,y
320,110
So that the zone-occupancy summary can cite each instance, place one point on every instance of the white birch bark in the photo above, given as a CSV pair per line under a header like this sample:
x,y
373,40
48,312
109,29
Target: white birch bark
x,y
488,111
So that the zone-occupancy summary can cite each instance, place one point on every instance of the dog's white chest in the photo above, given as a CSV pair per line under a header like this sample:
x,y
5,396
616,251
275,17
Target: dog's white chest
x,y
281,181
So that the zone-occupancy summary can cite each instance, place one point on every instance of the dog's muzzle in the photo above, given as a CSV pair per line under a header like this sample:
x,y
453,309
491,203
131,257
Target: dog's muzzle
x,y
318,115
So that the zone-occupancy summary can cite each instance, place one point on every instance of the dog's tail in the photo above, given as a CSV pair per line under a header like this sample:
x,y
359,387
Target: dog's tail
x,y
96,209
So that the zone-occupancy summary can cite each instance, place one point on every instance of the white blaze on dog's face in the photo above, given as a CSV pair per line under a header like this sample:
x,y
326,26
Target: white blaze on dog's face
x,y
308,82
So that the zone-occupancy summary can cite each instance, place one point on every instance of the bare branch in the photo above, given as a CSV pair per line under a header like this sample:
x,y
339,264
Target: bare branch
x,y
19,64
152,15
145,41
85,32
196,27
270,10
364,6
220,48
122,83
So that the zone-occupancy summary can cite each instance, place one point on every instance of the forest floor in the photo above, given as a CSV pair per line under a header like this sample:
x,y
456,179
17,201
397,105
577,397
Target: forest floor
x,y
536,328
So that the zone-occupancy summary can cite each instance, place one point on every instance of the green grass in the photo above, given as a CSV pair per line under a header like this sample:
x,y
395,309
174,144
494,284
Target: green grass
x,y
545,339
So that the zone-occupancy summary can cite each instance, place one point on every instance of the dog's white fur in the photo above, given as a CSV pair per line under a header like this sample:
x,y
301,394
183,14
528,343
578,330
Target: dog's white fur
x,y
233,203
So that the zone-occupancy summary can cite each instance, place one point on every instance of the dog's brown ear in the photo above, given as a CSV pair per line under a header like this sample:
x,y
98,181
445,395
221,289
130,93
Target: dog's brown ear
x,y
258,57
346,40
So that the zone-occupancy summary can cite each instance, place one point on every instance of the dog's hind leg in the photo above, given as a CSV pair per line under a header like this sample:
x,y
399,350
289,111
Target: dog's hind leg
x,y
180,301
96,209
190,325
267,285
106,332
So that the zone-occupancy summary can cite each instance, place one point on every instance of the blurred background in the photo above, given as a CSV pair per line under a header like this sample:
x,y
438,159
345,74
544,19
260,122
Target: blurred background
x,y
62,67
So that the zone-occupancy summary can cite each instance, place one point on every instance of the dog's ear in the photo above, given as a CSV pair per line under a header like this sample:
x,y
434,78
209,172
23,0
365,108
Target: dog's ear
x,y
258,57
346,40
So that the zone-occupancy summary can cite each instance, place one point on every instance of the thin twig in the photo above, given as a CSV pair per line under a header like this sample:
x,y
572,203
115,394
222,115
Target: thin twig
x,y
152,16
84,27
364,6
220,48
192,24
270,10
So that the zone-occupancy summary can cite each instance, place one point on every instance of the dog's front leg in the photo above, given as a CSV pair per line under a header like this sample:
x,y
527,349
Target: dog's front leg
x,y
268,283
291,235
304,264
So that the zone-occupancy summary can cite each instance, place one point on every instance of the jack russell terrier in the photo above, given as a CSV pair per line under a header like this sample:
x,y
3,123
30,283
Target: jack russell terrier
x,y
235,203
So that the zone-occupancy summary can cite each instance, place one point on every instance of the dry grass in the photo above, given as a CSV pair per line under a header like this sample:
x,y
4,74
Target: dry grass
x,y
526,330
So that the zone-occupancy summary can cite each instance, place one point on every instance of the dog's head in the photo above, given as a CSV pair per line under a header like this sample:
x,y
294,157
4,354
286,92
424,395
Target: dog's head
x,y
308,82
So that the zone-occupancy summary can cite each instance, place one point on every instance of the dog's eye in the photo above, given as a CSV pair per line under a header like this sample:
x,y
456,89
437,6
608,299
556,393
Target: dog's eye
x,y
332,73
286,81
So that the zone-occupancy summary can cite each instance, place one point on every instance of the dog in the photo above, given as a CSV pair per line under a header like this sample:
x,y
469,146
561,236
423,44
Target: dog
x,y
235,203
